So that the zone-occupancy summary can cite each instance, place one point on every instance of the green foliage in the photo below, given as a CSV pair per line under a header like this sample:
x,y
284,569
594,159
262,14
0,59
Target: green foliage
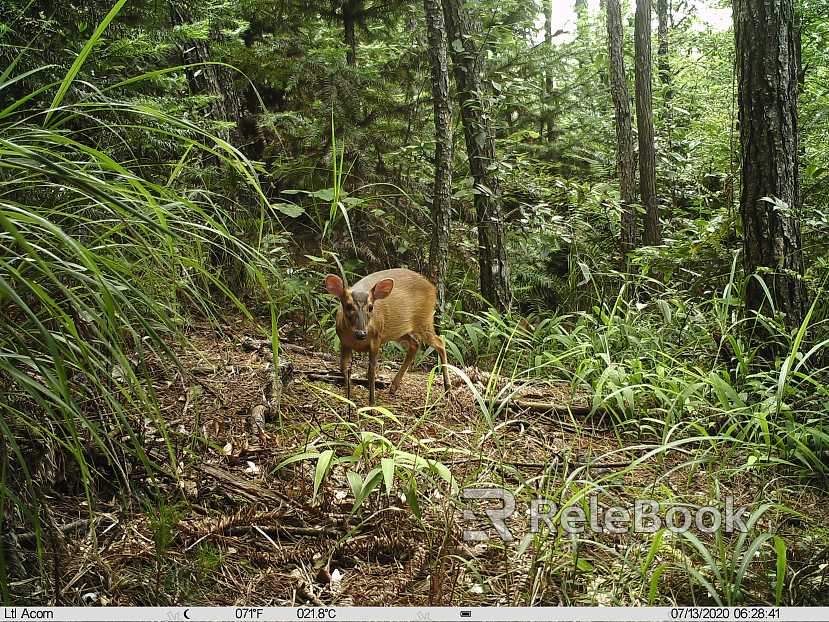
x,y
165,161
371,461
102,260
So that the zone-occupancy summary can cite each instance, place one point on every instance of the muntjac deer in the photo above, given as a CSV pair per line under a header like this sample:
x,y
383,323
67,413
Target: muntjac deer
x,y
390,305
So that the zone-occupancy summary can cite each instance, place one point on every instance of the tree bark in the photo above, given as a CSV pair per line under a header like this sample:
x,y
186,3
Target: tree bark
x,y
547,83
766,45
349,28
644,121
225,105
664,17
480,149
662,12
626,160
442,193
215,80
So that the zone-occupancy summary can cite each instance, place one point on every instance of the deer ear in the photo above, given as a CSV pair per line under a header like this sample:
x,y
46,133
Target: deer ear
x,y
334,285
382,289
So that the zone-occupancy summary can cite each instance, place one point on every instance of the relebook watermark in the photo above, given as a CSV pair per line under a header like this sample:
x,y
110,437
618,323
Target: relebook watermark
x,y
645,516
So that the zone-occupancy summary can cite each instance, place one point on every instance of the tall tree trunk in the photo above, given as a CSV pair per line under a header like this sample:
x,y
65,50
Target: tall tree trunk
x,y
662,12
225,105
547,83
644,121
215,80
625,157
480,149
349,29
442,193
766,46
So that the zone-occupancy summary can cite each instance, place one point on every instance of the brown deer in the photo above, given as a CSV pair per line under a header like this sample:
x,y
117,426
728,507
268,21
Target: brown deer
x,y
390,305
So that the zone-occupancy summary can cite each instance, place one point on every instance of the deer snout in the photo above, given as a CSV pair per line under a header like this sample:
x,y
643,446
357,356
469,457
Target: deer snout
x,y
360,335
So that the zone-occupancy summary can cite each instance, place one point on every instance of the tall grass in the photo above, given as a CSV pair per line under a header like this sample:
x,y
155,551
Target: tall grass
x,y
101,260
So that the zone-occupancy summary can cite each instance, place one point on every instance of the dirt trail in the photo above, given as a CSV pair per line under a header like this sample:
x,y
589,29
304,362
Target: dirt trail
x,y
249,533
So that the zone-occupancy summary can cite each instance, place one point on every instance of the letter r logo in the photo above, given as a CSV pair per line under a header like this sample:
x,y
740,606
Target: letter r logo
x,y
497,516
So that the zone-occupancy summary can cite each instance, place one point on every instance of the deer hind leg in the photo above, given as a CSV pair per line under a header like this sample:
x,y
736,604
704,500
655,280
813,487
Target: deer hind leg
x,y
412,346
437,343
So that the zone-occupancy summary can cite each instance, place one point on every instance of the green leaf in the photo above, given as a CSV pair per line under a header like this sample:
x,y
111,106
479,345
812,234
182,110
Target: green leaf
x,y
355,480
387,466
657,542
457,45
326,194
289,209
322,468
584,565
780,575
654,583
371,482
411,497
524,544
307,455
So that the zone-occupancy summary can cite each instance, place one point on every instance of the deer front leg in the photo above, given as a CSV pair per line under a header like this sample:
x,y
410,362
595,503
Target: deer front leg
x,y
372,368
345,369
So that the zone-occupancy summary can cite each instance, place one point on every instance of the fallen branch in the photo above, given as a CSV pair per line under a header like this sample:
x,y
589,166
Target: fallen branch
x,y
64,529
338,379
256,418
249,490
553,408
283,530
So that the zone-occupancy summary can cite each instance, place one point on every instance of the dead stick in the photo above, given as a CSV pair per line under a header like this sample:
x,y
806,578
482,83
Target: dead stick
x,y
64,529
545,407
339,380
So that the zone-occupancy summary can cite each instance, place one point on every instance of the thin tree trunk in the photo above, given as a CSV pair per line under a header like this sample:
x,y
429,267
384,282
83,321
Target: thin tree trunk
x,y
644,122
766,45
214,80
225,105
442,193
662,12
626,160
480,149
547,82
349,28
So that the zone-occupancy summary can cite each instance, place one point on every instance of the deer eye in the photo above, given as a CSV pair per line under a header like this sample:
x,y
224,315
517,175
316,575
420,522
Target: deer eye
x,y
370,308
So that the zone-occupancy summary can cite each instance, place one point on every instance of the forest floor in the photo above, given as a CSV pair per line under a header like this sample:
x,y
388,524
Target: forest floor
x,y
245,532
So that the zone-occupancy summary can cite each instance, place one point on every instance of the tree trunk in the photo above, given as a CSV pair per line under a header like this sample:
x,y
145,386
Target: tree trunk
x,y
664,15
547,83
644,121
662,12
225,105
442,193
349,24
766,46
215,80
626,160
480,149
